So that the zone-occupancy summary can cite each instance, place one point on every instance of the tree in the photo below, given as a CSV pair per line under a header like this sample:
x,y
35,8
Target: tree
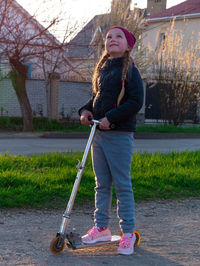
x,y
23,39
175,68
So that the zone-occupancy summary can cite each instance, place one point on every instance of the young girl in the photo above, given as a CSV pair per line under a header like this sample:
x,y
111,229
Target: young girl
x,y
117,98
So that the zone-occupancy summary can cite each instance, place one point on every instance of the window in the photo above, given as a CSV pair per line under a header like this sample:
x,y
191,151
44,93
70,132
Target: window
x,y
162,37
157,1
162,40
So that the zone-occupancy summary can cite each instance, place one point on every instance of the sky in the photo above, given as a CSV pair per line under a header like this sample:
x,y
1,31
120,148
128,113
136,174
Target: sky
x,y
79,11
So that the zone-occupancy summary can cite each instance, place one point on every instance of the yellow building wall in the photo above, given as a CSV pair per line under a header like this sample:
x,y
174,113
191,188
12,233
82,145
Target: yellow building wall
x,y
190,28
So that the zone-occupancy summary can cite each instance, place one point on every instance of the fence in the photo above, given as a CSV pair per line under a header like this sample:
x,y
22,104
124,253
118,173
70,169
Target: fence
x,y
153,108
71,96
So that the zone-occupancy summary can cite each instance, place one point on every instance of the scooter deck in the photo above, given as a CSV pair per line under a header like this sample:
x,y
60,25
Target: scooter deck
x,y
75,242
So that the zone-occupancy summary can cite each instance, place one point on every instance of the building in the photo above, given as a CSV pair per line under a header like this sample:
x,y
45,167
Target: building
x,y
23,36
186,16
173,38
86,47
25,42
155,6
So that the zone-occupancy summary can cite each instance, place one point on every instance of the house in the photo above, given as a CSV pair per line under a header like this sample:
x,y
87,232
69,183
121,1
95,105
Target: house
x,y
86,47
24,41
186,16
155,6
35,46
175,30
81,52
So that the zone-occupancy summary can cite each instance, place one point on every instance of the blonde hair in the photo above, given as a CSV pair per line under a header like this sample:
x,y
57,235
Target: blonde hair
x,y
95,80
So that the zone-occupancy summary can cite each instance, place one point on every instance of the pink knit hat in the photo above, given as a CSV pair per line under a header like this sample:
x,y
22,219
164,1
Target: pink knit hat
x,y
129,36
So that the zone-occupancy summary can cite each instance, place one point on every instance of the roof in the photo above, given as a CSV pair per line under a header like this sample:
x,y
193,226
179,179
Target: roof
x,y
79,46
184,8
35,23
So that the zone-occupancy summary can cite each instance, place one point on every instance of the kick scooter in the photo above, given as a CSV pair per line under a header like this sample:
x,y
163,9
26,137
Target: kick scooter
x,y
73,240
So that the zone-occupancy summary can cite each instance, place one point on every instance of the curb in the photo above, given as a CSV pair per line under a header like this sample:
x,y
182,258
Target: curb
x,y
85,135
138,135
66,135
20,136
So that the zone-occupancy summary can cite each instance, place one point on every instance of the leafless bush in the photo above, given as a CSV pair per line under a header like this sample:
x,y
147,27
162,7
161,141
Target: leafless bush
x,y
176,68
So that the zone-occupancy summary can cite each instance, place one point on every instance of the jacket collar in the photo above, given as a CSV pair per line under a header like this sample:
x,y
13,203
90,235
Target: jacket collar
x,y
118,61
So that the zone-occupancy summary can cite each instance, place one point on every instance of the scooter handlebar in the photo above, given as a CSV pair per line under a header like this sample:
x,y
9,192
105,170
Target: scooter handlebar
x,y
94,121
97,122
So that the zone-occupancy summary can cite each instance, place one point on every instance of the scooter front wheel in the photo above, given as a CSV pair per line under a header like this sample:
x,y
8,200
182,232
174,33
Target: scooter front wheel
x,y
57,245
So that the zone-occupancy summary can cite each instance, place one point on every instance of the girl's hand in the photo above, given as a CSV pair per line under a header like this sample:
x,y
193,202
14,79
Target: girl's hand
x,y
84,117
105,124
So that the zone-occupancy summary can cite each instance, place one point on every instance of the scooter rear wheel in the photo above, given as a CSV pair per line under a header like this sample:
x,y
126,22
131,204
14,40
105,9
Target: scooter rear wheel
x,y
57,245
137,242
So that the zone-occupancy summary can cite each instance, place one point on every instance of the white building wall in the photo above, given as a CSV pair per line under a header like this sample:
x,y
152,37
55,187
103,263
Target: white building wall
x,y
8,100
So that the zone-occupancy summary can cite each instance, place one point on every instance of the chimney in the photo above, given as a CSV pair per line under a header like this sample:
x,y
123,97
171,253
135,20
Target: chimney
x,y
155,6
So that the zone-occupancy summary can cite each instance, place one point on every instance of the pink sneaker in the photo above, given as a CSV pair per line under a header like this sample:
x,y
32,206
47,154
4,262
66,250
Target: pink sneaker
x,y
126,246
95,235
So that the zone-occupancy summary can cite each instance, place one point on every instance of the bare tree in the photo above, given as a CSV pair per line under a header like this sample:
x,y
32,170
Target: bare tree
x,y
4,6
23,39
175,68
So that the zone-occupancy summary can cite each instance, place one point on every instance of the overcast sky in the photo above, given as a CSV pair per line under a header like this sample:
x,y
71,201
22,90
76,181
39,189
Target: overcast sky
x,y
87,8
80,11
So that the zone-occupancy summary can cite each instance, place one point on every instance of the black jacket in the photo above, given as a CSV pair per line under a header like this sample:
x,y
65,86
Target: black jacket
x,y
122,117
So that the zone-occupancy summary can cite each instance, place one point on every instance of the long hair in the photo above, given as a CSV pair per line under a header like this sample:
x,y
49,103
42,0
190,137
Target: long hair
x,y
95,80
127,64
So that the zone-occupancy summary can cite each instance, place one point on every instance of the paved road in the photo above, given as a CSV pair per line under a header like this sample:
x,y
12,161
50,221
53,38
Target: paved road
x,y
35,145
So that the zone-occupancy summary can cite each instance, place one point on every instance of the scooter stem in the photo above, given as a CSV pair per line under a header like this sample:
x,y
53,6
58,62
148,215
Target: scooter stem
x,y
67,213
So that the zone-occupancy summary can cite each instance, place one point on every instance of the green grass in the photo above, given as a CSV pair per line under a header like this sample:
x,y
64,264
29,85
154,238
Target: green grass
x,y
41,124
45,124
47,180
165,128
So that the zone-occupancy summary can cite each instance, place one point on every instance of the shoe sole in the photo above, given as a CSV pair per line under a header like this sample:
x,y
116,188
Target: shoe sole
x,y
100,239
122,252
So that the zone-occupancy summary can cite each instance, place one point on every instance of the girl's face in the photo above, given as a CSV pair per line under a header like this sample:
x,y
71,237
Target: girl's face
x,y
116,44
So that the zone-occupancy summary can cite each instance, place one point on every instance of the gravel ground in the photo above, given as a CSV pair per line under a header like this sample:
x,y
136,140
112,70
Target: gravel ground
x,y
170,235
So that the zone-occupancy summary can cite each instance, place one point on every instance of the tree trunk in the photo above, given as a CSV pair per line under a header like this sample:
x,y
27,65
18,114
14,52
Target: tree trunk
x,y
18,78
26,111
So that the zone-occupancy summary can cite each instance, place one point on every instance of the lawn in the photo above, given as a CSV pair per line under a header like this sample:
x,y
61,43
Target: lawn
x,y
45,124
166,128
47,180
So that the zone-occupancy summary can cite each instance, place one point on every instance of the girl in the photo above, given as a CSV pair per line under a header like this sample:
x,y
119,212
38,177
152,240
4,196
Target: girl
x,y
117,98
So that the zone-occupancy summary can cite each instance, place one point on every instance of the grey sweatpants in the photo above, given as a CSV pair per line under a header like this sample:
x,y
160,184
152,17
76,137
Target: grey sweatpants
x,y
111,157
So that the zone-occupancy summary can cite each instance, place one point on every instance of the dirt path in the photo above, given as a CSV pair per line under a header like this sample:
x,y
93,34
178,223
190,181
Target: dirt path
x,y
170,235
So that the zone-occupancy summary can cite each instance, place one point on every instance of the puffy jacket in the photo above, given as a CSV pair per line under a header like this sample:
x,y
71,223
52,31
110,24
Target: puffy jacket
x,y
104,103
